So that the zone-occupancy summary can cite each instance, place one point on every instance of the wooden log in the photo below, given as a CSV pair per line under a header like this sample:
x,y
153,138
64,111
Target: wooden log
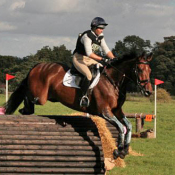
x,y
49,164
48,170
50,142
48,133
50,137
48,152
50,147
42,128
45,122
52,158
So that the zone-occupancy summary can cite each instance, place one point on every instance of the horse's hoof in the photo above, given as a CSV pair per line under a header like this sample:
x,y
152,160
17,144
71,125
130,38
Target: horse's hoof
x,y
119,153
21,111
122,154
115,154
126,149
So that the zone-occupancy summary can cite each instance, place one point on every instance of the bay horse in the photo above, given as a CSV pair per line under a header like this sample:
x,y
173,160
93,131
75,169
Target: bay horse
x,y
45,82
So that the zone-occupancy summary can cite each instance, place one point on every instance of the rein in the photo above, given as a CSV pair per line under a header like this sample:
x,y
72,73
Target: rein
x,y
110,80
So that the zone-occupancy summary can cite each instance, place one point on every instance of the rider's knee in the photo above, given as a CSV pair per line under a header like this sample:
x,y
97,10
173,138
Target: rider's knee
x,y
89,77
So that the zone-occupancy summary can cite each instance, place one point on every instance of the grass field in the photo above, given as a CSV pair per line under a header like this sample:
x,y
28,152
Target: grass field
x,y
159,153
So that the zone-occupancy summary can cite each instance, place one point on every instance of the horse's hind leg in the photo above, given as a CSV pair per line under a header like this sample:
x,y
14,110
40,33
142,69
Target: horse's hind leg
x,y
28,107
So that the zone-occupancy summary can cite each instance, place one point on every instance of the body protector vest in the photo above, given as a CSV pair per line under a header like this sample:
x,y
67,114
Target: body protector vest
x,y
96,42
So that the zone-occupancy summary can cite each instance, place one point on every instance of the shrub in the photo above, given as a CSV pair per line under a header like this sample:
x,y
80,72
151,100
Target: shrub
x,y
2,91
162,96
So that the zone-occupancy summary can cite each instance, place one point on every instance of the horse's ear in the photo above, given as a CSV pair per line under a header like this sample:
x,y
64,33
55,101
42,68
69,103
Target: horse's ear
x,y
142,56
149,57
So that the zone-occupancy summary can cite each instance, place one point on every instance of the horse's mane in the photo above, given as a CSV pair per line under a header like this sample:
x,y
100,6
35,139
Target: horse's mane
x,y
125,58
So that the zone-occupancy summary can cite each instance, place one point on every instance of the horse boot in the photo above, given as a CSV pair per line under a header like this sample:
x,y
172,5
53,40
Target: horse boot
x,y
84,102
126,149
119,153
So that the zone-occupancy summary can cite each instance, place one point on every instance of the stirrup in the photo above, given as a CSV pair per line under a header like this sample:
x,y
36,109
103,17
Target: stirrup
x,y
84,102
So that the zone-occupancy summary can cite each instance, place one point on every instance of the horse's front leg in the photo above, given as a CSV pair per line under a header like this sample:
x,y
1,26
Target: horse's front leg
x,y
119,113
110,117
128,134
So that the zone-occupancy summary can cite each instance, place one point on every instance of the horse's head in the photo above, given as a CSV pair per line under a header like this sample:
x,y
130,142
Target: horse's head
x,y
132,67
142,72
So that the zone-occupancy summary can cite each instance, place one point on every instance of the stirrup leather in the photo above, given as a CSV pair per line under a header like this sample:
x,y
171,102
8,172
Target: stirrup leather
x,y
84,102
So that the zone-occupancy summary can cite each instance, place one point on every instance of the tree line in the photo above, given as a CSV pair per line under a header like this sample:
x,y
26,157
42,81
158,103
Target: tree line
x,y
162,65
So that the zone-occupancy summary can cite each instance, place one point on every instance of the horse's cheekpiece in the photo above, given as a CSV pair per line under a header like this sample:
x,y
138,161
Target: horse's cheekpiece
x,y
74,80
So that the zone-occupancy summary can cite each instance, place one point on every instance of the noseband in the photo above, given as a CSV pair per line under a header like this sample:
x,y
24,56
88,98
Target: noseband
x,y
139,82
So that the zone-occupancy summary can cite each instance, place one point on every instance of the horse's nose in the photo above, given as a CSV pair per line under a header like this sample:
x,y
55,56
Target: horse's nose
x,y
148,93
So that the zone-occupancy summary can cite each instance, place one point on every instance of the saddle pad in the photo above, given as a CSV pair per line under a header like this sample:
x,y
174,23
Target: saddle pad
x,y
69,80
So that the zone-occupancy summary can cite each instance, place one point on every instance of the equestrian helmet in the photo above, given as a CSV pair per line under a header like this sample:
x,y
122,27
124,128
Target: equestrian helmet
x,y
98,22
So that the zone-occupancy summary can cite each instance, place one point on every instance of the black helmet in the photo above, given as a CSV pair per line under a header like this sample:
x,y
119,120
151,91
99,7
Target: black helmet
x,y
98,22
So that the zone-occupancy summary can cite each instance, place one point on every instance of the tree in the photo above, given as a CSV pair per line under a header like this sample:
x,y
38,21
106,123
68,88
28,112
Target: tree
x,y
21,67
6,63
61,54
163,64
132,44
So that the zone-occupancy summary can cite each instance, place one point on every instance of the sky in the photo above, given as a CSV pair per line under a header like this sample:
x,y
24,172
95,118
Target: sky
x,y
28,25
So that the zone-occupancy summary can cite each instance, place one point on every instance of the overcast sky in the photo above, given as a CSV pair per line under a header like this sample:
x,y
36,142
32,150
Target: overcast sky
x,y
28,25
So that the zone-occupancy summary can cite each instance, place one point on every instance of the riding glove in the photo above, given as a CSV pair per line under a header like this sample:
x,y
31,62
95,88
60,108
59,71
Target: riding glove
x,y
105,61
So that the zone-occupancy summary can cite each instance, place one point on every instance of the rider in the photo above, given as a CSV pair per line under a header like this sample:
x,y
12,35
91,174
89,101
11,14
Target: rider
x,y
85,54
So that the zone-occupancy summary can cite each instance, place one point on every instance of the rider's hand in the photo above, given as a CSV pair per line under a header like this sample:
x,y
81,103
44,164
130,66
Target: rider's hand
x,y
105,61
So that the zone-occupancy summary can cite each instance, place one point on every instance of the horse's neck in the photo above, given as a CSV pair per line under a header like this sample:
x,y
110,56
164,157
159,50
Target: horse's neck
x,y
120,72
128,68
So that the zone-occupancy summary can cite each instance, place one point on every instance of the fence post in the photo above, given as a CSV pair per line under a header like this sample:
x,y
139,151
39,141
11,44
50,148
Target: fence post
x,y
138,124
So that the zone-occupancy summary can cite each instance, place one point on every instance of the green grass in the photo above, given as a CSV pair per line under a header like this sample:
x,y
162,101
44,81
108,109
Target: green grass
x,y
159,153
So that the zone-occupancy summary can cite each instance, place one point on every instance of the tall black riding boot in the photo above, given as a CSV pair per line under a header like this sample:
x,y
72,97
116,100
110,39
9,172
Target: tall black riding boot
x,y
84,102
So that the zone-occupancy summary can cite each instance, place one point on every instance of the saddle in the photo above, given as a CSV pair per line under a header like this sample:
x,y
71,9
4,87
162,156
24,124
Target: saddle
x,y
73,78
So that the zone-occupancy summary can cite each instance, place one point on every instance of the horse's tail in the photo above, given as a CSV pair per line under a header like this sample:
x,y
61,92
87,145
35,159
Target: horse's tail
x,y
16,97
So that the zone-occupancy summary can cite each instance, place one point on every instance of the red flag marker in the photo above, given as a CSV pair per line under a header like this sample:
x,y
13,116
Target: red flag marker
x,y
157,82
9,77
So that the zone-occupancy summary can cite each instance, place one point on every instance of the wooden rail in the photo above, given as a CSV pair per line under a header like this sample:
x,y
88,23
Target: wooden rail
x,y
139,117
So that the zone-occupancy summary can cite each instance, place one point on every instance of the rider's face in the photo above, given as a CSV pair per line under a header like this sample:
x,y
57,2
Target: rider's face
x,y
98,31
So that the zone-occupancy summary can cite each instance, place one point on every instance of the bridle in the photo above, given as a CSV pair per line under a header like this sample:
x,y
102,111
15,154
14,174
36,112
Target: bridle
x,y
140,82
136,71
